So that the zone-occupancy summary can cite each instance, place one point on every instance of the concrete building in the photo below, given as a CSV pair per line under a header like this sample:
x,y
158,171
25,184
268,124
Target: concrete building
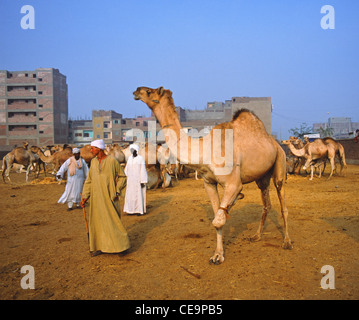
x,y
342,127
33,107
219,112
80,132
113,128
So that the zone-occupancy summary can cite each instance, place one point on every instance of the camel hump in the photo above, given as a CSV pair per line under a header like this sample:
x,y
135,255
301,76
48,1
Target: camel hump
x,y
242,112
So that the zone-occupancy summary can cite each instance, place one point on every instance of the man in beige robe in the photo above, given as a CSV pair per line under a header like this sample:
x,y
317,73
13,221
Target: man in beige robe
x,y
106,181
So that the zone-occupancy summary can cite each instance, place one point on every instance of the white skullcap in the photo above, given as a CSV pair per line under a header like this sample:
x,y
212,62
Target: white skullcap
x,y
75,150
99,144
135,147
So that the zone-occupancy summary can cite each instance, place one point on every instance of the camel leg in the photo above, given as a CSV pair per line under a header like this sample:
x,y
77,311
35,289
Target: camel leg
x,y
311,172
27,172
230,195
7,172
279,183
332,164
263,185
213,195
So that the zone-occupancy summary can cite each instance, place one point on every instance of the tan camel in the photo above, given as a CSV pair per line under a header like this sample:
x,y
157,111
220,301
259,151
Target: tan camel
x,y
116,151
21,156
85,153
298,165
57,158
155,178
315,153
339,151
155,156
253,156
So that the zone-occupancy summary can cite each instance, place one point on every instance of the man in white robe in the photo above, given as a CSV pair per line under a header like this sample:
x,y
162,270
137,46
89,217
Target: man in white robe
x,y
77,172
135,170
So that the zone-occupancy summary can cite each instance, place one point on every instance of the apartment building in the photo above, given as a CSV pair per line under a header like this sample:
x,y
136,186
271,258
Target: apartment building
x,y
80,132
219,112
33,107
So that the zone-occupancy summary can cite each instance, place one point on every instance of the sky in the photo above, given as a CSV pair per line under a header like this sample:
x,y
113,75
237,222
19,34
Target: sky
x,y
202,50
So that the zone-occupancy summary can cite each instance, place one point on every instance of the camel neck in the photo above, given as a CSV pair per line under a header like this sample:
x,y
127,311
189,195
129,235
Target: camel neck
x,y
297,152
176,138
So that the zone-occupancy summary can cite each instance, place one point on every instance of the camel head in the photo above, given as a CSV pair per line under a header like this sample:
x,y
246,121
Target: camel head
x,y
152,97
286,142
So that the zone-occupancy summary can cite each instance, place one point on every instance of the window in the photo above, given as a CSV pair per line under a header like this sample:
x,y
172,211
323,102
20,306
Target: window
x,y
105,135
41,119
41,131
98,125
105,125
40,105
98,136
34,75
40,92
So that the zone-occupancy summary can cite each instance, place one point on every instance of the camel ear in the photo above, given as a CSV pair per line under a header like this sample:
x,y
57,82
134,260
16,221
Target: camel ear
x,y
161,91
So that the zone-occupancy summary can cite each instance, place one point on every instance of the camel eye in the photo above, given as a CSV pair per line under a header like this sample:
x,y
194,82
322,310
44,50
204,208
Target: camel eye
x,y
148,93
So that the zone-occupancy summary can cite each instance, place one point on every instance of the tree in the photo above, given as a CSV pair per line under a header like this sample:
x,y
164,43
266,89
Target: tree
x,y
301,131
327,132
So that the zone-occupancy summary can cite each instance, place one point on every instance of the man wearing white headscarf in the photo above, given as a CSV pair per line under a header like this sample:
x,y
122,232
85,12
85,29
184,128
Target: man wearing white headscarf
x,y
135,170
104,185
77,172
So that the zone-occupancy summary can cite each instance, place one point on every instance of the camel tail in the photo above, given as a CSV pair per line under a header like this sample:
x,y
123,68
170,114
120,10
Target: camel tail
x,y
342,156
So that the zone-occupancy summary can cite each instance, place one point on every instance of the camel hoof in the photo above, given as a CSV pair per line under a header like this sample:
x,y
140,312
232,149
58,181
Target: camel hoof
x,y
287,245
255,238
220,219
217,259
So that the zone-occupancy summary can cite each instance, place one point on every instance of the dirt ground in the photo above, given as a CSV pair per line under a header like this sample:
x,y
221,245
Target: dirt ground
x,y
172,244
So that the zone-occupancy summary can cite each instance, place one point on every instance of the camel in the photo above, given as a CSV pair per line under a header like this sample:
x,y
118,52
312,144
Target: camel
x,y
339,151
21,156
300,160
315,153
155,178
117,153
57,158
254,156
158,156
85,153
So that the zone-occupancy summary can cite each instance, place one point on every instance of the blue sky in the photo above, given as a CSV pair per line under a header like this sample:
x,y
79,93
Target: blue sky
x,y
202,50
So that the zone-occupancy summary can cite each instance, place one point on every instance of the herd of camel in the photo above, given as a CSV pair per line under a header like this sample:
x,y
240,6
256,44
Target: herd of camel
x,y
257,157
314,154
160,171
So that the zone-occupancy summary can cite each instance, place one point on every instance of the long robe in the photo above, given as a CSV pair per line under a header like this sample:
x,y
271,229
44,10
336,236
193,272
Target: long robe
x,y
135,199
106,180
74,183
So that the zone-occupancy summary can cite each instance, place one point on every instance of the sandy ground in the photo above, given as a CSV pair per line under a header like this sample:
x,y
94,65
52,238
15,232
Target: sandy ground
x,y
172,244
